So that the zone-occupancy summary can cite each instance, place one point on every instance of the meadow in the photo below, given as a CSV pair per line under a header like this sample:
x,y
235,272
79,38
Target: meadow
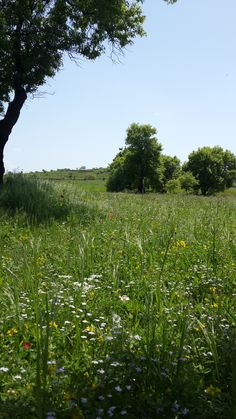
x,y
116,305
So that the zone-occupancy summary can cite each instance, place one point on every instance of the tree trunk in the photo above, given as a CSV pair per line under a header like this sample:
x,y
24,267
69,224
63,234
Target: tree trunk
x,y
141,185
8,122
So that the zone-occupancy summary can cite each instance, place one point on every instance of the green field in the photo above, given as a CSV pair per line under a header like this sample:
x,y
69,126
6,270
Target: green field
x,y
116,305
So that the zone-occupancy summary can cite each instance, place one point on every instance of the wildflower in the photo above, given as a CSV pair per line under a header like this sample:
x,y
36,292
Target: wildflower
x,y
115,364
17,377
124,297
51,415
118,388
137,337
215,305
12,331
181,243
4,369
26,345
213,391
51,362
116,318
200,328
185,411
53,325
175,407
90,330
111,410
60,370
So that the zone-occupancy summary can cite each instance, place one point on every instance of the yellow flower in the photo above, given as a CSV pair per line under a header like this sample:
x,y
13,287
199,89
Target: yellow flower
x,y
54,325
90,329
215,305
213,391
40,260
12,331
181,243
200,328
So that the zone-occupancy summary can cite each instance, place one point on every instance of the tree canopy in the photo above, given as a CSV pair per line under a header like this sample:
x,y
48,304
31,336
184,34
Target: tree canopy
x,y
35,35
136,166
171,168
213,167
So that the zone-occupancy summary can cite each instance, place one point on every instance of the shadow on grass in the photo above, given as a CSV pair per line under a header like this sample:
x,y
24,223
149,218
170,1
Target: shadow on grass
x,y
38,202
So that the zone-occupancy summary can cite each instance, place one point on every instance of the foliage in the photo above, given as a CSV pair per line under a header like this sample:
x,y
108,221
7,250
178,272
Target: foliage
x,y
214,168
188,182
35,35
127,315
171,168
118,179
137,167
173,186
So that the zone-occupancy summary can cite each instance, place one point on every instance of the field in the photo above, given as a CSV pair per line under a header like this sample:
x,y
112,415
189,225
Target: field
x,y
116,305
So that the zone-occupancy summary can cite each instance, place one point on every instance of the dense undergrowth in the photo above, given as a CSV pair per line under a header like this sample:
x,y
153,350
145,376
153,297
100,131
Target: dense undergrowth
x,y
116,305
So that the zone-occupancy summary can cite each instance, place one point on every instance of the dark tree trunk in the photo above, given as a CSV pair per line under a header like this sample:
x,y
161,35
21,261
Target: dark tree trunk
x,y
8,122
141,185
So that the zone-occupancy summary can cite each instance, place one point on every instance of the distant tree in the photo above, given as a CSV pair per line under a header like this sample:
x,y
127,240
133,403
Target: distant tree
x,y
119,179
35,35
214,168
171,168
137,167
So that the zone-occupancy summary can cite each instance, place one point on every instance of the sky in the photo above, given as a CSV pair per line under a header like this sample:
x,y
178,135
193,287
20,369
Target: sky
x,y
180,78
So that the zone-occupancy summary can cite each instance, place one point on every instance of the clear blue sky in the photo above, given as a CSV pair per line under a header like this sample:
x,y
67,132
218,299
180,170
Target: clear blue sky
x,y
181,79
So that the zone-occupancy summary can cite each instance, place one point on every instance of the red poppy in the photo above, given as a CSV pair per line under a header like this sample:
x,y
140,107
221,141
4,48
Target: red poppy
x,y
26,345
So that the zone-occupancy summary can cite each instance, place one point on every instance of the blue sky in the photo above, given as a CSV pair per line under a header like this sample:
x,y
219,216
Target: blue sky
x,y
181,79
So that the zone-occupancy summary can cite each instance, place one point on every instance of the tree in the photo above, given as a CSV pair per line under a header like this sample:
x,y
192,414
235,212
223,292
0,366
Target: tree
x,y
214,168
137,166
35,35
119,178
171,168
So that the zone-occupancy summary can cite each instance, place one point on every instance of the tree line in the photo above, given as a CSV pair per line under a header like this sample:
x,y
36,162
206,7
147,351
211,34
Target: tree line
x,y
140,166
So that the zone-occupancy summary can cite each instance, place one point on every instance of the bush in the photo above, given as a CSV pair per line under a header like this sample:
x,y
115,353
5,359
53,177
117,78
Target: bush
x,y
188,182
173,186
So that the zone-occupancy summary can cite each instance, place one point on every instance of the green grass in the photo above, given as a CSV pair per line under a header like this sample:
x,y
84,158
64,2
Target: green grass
x,y
116,305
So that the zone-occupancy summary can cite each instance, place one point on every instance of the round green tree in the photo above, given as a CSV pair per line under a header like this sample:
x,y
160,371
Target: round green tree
x,y
213,167
137,167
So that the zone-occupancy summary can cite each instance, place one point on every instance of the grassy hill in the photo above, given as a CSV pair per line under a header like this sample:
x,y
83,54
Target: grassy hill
x,y
89,179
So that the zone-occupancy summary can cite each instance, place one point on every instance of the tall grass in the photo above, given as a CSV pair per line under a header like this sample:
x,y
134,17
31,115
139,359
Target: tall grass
x,y
122,306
